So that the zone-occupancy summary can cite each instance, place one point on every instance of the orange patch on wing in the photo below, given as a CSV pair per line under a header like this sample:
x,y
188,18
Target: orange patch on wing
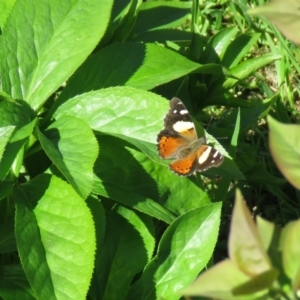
x,y
202,150
168,146
189,134
185,165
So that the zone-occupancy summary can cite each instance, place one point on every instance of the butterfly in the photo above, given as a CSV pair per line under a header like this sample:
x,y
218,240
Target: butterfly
x,y
179,141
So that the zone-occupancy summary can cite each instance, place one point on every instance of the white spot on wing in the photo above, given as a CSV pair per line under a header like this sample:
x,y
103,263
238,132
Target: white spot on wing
x,y
203,157
216,154
183,112
175,111
182,126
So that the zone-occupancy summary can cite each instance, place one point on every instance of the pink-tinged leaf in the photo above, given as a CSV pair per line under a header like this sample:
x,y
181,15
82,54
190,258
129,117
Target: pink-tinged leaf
x,y
284,14
290,255
266,230
231,283
246,249
284,142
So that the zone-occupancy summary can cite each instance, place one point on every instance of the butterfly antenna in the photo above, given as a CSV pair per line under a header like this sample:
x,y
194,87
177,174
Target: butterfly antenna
x,y
209,123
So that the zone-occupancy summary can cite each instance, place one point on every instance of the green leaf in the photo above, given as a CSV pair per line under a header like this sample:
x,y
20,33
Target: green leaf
x,y
245,247
98,213
128,176
138,65
183,252
218,44
238,49
5,134
235,134
15,113
123,22
127,232
5,8
122,111
162,36
7,237
18,114
216,69
121,16
99,217
285,149
14,284
248,67
45,43
55,238
285,15
72,147
5,188
160,14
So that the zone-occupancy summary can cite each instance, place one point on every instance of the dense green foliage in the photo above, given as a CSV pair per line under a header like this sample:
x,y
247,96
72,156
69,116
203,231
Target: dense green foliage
x,y
88,209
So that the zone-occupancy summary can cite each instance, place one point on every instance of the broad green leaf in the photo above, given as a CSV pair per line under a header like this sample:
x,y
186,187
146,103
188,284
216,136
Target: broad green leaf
x,y
128,176
143,225
14,284
134,200
284,14
44,44
129,245
122,111
72,147
225,281
55,238
22,117
183,252
160,14
143,66
246,249
5,8
284,143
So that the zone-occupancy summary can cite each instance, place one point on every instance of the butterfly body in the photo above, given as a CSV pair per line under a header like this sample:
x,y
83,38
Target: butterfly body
x,y
179,141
